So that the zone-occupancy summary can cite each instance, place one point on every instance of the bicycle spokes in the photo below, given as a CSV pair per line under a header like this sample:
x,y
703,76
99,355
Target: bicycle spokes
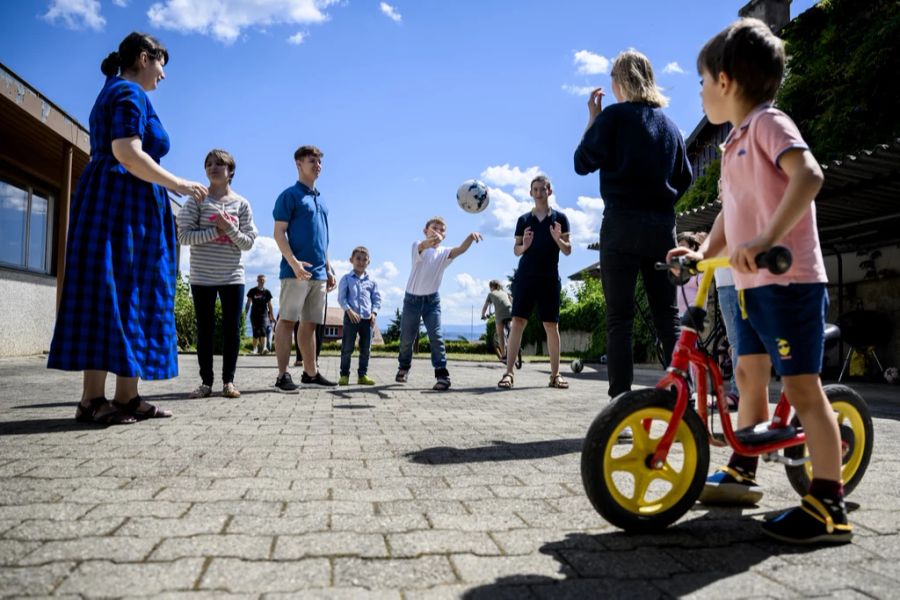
x,y
633,481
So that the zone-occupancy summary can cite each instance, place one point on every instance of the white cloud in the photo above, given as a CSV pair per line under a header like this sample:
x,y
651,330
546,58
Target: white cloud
x,y
673,67
507,206
390,12
584,224
578,90
504,176
506,209
226,19
590,63
462,303
387,272
297,39
121,3
76,14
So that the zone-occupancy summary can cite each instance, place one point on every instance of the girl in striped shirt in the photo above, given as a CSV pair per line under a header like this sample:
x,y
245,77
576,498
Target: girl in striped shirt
x,y
218,230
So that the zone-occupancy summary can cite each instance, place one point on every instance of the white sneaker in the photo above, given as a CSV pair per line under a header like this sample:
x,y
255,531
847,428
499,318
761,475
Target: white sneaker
x,y
202,391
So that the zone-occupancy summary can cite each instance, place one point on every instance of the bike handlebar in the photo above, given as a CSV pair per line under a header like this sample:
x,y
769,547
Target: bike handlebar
x,y
777,260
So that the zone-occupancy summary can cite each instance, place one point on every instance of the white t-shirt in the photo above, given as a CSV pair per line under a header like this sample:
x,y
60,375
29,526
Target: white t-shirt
x,y
427,269
724,277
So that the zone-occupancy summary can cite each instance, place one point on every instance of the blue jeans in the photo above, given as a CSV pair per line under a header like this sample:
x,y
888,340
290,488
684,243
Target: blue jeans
x,y
351,330
728,304
427,309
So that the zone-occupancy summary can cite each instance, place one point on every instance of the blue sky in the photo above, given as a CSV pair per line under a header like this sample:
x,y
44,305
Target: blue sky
x,y
407,99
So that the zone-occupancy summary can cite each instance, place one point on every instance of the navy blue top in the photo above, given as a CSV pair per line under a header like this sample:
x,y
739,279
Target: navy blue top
x,y
641,157
307,218
542,257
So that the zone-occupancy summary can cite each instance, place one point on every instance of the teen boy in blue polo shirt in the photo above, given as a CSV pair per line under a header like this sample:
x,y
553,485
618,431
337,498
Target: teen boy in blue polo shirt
x,y
358,295
541,235
301,232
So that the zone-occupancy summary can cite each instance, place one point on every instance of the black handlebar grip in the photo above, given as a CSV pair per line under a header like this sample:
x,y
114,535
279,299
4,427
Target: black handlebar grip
x,y
777,260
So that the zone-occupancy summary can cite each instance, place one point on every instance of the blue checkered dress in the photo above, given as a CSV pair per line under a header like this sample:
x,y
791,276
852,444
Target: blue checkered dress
x,y
117,311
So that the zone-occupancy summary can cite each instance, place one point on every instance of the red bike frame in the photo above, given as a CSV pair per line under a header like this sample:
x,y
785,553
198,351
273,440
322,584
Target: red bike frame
x,y
688,354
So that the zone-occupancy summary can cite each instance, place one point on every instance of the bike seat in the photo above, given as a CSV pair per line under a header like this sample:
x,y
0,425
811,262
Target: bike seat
x,y
761,434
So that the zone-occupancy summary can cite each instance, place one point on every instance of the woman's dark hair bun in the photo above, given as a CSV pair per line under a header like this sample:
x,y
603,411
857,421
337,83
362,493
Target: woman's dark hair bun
x,y
130,49
111,64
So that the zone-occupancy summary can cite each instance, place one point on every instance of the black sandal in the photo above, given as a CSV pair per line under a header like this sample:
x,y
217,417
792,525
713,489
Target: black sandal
x,y
90,414
132,408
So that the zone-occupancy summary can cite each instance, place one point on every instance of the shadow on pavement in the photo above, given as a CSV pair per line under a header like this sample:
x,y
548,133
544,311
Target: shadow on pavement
x,y
679,561
498,451
32,426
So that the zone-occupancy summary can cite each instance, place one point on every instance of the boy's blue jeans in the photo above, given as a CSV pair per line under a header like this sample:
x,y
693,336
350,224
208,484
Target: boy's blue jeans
x,y
427,309
351,330
728,304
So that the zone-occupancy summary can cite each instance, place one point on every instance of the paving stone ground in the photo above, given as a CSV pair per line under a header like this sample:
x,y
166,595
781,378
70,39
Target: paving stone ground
x,y
392,491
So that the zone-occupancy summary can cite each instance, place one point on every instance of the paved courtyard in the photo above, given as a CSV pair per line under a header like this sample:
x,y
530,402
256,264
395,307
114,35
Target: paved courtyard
x,y
392,491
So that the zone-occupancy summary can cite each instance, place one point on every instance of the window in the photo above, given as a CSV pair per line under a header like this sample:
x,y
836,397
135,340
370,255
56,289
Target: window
x,y
331,332
25,227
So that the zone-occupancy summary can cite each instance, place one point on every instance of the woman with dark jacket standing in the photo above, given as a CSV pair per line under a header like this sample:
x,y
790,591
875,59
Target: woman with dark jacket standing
x,y
644,169
116,312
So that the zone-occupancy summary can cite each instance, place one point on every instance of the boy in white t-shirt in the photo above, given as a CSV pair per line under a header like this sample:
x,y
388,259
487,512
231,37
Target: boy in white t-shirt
x,y
422,302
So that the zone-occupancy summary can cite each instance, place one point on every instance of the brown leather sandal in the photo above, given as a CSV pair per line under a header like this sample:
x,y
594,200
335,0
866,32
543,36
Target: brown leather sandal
x,y
557,381
92,413
132,408
506,382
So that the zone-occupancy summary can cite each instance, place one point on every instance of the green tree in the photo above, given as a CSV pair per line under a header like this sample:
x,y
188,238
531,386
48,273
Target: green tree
x,y
841,85
392,333
185,320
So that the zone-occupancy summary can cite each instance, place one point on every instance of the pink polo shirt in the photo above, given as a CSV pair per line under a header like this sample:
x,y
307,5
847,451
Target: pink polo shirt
x,y
753,185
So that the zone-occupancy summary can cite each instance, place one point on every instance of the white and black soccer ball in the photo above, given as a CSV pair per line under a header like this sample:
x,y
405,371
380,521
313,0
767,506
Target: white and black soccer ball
x,y
577,365
472,196
892,375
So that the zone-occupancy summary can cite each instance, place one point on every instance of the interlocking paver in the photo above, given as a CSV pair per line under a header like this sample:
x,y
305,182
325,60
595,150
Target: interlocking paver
x,y
441,542
119,549
420,572
330,544
254,547
392,492
110,579
235,575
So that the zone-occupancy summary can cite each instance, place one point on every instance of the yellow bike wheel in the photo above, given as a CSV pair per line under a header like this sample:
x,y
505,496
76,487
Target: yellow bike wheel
x,y
855,427
615,462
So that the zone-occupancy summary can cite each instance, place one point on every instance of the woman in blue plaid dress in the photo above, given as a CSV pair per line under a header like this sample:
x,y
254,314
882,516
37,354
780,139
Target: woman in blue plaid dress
x,y
116,313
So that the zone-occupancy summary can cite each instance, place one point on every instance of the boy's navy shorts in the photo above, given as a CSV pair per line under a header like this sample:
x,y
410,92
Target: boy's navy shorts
x,y
542,292
787,322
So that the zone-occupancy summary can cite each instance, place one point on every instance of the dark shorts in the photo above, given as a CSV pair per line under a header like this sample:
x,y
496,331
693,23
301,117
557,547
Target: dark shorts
x,y
540,292
787,322
259,327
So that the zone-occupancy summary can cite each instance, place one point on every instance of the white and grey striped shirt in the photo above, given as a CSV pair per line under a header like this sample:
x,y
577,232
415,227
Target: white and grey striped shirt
x,y
217,259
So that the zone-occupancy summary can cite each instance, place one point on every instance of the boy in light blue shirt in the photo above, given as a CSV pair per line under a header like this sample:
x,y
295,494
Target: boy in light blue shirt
x,y
358,295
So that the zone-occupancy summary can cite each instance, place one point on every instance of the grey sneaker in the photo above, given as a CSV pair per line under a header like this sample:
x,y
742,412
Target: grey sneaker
x,y
402,376
202,391
285,384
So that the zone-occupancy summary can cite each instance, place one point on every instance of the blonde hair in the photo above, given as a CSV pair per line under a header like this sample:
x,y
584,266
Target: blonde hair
x,y
436,220
634,74
495,284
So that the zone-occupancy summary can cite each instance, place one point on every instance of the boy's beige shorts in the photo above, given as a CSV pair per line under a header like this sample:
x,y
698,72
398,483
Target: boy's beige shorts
x,y
301,300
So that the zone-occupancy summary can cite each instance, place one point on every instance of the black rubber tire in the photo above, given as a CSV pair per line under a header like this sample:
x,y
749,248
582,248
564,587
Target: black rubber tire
x,y
799,476
597,443
519,360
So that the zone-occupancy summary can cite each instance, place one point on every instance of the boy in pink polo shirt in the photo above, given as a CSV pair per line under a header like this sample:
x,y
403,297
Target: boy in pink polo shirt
x,y
769,181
